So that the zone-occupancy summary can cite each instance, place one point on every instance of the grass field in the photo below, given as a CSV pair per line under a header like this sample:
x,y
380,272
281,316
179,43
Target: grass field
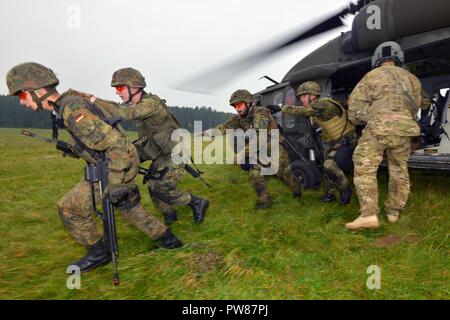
x,y
298,249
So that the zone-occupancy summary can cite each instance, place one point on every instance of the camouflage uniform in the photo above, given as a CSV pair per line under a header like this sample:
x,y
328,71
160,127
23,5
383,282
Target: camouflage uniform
x,y
379,101
152,116
91,134
337,131
260,118
155,125
85,125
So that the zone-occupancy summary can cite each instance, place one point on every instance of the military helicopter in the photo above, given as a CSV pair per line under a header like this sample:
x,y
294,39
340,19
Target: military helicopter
x,y
422,28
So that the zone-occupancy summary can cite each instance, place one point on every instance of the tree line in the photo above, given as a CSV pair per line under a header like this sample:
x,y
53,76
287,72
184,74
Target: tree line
x,y
13,115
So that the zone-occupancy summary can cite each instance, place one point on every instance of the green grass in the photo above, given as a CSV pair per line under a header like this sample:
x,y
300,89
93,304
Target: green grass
x,y
298,249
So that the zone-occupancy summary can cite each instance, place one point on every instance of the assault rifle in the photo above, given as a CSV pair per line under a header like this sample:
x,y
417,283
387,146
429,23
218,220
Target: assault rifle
x,y
153,174
95,173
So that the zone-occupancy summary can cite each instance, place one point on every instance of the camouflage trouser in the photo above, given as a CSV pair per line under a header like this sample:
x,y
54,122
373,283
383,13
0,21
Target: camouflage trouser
x,y
164,192
367,158
76,212
284,173
335,178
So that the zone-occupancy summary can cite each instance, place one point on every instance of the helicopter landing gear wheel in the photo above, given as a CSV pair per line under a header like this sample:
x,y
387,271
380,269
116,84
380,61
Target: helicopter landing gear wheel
x,y
307,172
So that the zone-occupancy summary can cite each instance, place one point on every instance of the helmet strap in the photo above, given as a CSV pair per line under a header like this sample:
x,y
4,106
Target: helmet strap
x,y
38,100
57,121
130,95
249,108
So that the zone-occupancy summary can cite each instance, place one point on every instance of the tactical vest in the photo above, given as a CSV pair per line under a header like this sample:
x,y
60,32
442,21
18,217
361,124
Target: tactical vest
x,y
337,127
155,134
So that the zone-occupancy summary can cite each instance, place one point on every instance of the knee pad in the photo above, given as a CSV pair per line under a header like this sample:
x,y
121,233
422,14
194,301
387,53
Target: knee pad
x,y
124,199
162,195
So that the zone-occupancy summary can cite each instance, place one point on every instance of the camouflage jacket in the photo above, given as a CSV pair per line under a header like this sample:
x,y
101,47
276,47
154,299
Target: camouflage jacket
x,y
326,113
154,123
151,114
322,109
380,102
258,118
83,121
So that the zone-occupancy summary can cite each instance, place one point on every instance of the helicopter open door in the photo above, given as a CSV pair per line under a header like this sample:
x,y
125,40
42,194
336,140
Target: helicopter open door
x,y
434,151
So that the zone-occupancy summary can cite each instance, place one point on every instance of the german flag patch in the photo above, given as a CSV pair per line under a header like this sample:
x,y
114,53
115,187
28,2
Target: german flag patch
x,y
79,118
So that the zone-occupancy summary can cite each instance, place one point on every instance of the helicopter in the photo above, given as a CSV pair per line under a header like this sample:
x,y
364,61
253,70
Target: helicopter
x,y
422,28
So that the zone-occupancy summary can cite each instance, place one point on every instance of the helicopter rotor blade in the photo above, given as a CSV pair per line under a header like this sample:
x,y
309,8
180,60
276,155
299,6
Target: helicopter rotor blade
x,y
206,82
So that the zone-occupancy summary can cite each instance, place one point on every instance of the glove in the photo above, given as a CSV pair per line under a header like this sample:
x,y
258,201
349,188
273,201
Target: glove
x,y
274,108
65,148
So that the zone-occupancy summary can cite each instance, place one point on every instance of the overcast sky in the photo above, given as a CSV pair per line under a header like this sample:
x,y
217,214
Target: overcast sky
x,y
85,41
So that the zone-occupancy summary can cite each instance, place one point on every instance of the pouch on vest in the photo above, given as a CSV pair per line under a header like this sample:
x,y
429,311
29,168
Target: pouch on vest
x,y
163,142
150,148
146,149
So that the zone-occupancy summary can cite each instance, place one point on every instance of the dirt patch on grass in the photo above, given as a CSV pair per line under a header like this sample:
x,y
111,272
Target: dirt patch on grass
x,y
394,239
206,262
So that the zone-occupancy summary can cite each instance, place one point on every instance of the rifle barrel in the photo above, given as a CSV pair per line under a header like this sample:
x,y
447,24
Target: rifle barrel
x,y
33,135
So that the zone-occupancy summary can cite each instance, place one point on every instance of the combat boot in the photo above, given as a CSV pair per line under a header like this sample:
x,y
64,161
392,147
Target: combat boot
x,y
170,217
198,206
328,197
169,241
369,222
264,203
96,256
346,196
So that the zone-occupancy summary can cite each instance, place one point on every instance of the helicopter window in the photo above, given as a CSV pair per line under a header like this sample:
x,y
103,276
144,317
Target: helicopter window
x,y
278,99
290,97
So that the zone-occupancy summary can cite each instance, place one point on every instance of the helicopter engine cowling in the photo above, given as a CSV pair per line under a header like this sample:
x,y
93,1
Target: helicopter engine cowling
x,y
384,20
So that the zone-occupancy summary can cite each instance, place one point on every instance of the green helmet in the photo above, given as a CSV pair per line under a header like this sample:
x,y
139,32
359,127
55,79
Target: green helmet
x,y
241,96
309,87
389,50
29,75
128,77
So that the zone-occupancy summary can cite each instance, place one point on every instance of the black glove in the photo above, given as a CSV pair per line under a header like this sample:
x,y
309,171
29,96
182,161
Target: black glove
x,y
274,108
65,148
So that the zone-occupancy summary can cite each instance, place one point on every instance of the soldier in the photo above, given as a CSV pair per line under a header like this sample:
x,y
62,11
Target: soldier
x,y
337,132
386,100
155,125
35,85
259,118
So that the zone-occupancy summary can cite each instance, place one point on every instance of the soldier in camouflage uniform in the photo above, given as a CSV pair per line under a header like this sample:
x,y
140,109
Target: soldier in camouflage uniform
x,y
35,85
386,100
155,125
259,118
337,132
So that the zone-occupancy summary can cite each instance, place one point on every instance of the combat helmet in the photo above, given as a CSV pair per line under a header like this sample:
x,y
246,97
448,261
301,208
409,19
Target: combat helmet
x,y
309,87
128,77
389,50
241,95
30,76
